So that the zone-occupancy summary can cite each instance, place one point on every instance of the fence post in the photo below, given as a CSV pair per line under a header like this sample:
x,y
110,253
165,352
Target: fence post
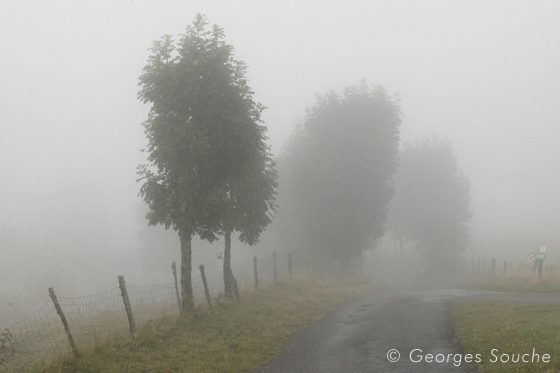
x,y
520,264
274,262
174,267
206,291
535,265
64,322
540,268
290,265
255,272
127,307
235,288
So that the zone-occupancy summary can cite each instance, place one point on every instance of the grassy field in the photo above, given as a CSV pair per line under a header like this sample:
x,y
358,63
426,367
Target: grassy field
x,y
491,329
235,338
515,284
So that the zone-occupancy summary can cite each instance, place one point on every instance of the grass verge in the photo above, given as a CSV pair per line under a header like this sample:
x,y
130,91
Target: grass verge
x,y
491,329
235,338
514,285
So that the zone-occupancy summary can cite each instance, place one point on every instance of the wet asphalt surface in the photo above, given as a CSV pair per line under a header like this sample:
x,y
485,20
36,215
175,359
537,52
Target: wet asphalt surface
x,y
358,335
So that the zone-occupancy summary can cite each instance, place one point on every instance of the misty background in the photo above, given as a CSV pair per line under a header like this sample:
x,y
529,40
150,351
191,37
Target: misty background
x,y
484,74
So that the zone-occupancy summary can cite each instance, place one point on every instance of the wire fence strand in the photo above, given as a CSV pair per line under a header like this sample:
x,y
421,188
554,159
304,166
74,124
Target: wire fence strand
x,y
40,338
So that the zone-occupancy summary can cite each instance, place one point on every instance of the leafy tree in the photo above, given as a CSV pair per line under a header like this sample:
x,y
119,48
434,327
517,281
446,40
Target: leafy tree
x,y
249,202
203,133
337,170
431,205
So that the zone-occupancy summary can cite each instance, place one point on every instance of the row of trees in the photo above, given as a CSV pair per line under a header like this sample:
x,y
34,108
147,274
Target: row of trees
x,y
345,182
337,174
431,205
210,172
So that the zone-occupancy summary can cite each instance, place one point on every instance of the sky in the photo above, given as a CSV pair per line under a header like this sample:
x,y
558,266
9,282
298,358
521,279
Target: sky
x,y
483,73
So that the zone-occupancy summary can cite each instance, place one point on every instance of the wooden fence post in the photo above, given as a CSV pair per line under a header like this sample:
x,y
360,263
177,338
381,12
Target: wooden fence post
x,y
235,288
206,291
64,322
274,262
290,265
255,272
174,267
535,265
126,301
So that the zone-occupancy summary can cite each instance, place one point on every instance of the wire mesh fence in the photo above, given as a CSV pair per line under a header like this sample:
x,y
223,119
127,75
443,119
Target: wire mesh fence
x,y
41,337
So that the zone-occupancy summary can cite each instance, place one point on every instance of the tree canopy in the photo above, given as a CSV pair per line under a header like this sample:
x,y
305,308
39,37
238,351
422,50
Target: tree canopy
x,y
431,204
206,143
337,171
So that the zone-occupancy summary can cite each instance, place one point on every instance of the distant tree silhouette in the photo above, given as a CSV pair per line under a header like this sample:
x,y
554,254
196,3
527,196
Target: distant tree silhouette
x,y
336,173
432,203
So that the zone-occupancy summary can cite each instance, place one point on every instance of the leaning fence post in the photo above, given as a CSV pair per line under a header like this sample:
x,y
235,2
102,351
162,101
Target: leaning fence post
x,y
127,307
235,289
274,262
255,272
174,267
206,291
64,322
290,265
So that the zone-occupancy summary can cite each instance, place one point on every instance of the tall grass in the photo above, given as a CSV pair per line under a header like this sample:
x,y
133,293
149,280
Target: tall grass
x,y
235,337
516,280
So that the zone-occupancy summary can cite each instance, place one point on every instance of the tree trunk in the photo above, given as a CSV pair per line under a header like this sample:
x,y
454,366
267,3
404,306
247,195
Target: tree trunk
x,y
228,275
186,272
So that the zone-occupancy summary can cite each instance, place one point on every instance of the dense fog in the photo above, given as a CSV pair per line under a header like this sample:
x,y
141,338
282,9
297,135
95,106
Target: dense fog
x,y
482,74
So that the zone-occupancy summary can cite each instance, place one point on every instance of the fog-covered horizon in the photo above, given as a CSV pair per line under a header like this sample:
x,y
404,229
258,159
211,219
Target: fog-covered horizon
x,y
484,74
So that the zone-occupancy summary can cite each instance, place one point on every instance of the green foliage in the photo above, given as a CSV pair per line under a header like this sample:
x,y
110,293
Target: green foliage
x,y
431,205
210,171
337,171
5,352
203,129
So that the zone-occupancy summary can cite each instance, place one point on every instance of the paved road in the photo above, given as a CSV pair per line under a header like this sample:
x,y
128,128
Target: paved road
x,y
358,335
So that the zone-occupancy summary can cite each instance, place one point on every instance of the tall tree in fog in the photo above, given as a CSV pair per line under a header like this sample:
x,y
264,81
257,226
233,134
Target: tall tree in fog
x,y
204,134
337,172
431,204
249,201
